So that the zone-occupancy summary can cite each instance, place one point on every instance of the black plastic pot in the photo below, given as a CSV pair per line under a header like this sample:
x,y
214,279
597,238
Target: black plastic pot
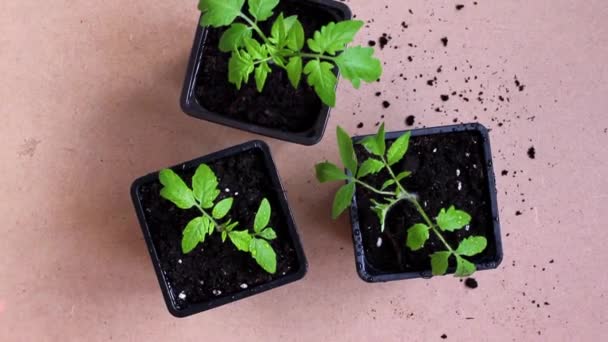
x,y
159,218
373,271
191,105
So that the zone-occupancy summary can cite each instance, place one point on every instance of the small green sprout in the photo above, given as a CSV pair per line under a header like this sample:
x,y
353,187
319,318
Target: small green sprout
x,y
448,220
214,216
284,47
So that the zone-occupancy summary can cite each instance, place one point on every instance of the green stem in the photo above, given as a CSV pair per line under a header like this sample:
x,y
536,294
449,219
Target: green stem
x,y
262,61
371,188
412,199
254,26
315,55
218,227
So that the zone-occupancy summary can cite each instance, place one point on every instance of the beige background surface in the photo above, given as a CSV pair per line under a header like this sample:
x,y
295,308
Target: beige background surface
x,y
89,101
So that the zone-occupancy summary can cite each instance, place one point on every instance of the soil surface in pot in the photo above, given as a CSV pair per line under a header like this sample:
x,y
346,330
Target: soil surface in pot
x,y
215,269
447,169
279,105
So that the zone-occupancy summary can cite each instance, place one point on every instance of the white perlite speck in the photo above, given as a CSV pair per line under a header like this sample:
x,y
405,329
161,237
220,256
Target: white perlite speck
x,y
467,154
434,150
227,190
457,172
217,292
182,295
179,261
459,186
244,286
236,193
379,242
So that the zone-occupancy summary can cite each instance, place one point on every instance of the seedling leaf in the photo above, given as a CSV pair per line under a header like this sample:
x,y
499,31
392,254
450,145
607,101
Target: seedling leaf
x,y
262,9
294,71
261,73
357,64
222,208
399,177
370,167
175,190
268,234
417,235
263,254
240,66
472,246
343,198
262,217
194,233
376,144
452,219
295,34
328,172
241,239
204,185
233,37
439,263
398,149
347,151
322,79
333,37
218,13
464,268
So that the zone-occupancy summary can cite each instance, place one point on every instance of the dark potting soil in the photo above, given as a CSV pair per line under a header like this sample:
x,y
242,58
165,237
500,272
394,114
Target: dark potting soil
x,y
279,105
439,163
215,269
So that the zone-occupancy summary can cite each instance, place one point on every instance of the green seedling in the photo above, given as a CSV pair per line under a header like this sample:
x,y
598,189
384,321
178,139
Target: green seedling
x,y
392,192
214,216
285,47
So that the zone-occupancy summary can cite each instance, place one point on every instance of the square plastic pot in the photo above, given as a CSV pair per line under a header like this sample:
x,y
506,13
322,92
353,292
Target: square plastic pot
x,y
369,273
292,233
190,105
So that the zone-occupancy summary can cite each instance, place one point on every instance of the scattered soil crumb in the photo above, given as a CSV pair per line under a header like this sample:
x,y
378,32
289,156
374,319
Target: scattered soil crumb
x,y
504,172
444,336
518,213
471,283
360,125
386,104
410,120
444,41
532,152
459,7
444,97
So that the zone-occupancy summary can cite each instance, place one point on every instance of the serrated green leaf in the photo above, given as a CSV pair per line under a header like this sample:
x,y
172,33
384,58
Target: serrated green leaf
x,y
254,49
472,245
230,226
398,149
218,13
233,37
204,186
295,35
399,177
347,150
224,235
262,217
417,235
262,9
278,34
376,144
342,200
322,79
333,37
175,190
357,64
194,233
452,219
268,234
294,70
381,211
261,73
439,263
328,172
240,66
464,268
370,167
263,254
240,239
222,208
